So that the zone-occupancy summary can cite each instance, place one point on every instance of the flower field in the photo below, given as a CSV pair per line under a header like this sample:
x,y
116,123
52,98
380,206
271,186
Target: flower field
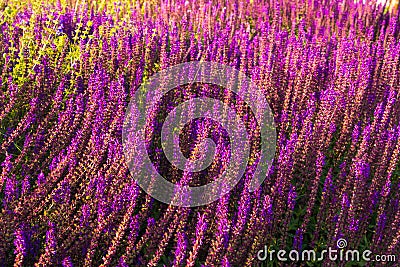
x,y
329,69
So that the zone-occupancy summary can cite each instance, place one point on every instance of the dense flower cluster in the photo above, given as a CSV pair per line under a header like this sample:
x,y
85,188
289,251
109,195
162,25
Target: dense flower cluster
x,y
329,69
